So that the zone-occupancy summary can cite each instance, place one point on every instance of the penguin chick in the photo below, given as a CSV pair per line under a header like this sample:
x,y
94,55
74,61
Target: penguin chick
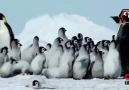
x,y
112,65
21,67
6,69
61,34
66,63
54,47
97,69
81,64
15,51
55,59
3,55
30,52
39,82
38,62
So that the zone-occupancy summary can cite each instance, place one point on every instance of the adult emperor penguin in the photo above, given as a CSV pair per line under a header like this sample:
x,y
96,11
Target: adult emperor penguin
x,y
112,65
122,43
6,33
55,59
15,51
30,52
38,62
66,64
81,64
6,69
97,69
3,55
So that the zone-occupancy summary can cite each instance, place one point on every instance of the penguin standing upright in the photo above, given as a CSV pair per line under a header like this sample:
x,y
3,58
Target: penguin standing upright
x,y
29,53
81,64
48,47
3,55
15,51
66,64
38,62
61,34
54,47
122,43
55,59
6,33
97,68
112,65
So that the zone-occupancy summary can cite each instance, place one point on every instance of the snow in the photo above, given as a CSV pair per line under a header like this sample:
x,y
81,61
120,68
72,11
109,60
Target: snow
x,y
19,82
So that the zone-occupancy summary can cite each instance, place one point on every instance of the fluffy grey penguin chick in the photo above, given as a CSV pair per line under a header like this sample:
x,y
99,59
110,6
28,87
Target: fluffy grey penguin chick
x,y
81,64
55,59
98,69
38,62
15,51
54,47
112,64
39,82
3,55
6,69
30,52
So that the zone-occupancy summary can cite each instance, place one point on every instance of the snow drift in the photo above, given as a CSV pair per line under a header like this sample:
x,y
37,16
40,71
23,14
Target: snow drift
x,y
46,27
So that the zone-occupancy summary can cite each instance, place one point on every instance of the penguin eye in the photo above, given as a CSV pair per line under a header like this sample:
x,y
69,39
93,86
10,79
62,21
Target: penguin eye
x,y
75,41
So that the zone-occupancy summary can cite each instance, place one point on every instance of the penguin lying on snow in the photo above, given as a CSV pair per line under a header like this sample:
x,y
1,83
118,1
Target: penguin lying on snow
x,y
6,33
39,82
112,65
29,53
38,62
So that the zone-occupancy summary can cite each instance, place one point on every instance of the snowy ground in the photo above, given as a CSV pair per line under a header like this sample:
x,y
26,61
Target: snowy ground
x,y
19,82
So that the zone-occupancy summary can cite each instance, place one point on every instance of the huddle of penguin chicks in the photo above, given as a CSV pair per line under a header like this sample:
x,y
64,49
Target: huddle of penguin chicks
x,y
81,58
77,58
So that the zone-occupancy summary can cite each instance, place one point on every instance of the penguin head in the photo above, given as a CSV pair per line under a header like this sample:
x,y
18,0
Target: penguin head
x,y
48,46
13,61
73,38
4,50
2,17
87,39
36,84
106,42
42,49
100,44
68,44
19,45
36,40
80,36
14,43
62,29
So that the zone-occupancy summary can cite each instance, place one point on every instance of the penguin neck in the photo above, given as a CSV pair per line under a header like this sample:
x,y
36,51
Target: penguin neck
x,y
99,57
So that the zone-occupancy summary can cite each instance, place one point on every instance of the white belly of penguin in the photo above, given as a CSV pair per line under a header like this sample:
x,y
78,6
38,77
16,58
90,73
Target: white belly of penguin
x,y
4,36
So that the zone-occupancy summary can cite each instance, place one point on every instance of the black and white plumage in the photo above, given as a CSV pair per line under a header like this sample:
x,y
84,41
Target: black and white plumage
x,y
6,33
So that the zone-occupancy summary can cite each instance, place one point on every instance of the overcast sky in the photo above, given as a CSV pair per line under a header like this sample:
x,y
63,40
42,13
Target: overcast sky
x,y
18,12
